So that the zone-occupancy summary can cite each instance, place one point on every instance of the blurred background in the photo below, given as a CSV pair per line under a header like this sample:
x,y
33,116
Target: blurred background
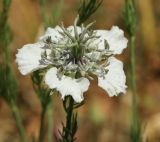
x,y
101,119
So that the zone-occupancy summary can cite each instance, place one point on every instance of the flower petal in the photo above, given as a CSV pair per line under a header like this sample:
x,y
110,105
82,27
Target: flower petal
x,y
66,85
28,58
115,38
53,33
115,79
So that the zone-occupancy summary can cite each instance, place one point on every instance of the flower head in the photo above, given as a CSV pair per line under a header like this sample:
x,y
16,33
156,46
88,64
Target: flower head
x,y
72,55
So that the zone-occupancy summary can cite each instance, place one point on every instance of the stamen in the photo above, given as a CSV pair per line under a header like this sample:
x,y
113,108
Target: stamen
x,y
67,33
90,37
85,31
65,45
75,28
76,20
90,25
76,32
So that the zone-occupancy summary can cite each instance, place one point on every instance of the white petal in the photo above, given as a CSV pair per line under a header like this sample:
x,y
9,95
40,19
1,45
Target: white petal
x,y
115,38
115,79
67,86
53,33
28,58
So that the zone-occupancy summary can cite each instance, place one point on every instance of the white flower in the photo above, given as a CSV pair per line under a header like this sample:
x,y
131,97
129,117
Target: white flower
x,y
72,54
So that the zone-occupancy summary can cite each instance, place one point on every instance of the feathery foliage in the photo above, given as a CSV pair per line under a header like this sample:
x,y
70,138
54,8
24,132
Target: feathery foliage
x,y
8,83
130,16
87,8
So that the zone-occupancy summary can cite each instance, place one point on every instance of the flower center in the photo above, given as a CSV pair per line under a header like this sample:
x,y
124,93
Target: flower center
x,y
73,54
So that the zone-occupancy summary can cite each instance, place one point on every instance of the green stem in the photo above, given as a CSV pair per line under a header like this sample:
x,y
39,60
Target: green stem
x,y
69,112
133,68
131,21
50,121
42,126
18,120
135,121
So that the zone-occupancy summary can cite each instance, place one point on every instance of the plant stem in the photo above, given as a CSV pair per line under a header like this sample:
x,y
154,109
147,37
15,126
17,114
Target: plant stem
x,y
131,21
133,68
50,121
45,97
18,121
135,119
42,126
69,120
